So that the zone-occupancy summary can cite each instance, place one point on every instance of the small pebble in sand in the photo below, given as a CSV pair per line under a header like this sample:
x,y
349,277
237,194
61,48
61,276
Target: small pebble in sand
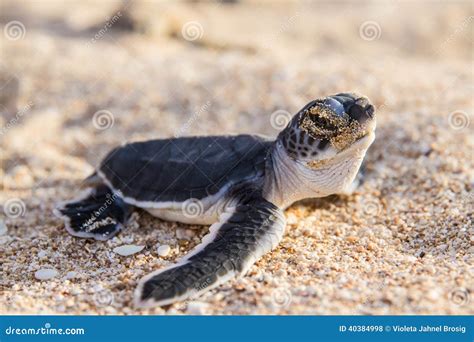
x,y
71,275
127,250
185,234
164,250
291,219
127,239
46,273
20,174
371,246
42,254
352,239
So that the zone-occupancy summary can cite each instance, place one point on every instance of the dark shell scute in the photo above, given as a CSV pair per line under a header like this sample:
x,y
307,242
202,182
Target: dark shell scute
x,y
182,168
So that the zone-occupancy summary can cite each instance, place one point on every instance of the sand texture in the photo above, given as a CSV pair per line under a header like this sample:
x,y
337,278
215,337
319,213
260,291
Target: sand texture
x,y
77,79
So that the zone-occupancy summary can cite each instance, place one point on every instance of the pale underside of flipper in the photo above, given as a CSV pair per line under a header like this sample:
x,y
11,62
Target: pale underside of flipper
x,y
243,234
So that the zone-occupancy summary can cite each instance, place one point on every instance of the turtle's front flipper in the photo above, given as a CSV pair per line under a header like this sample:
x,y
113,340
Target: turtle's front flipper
x,y
98,214
244,233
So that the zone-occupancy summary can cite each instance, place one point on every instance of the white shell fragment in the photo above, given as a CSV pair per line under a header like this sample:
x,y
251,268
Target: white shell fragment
x,y
46,273
164,250
127,250
71,275
42,254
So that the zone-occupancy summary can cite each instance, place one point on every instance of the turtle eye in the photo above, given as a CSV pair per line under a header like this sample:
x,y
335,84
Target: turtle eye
x,y
323,123
335,106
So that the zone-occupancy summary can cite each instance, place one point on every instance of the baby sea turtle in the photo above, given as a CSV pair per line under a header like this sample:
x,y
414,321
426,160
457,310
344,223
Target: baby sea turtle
x,y
239,184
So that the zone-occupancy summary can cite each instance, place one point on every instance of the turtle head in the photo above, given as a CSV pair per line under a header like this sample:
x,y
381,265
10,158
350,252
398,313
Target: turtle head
x,y
328,127
329,131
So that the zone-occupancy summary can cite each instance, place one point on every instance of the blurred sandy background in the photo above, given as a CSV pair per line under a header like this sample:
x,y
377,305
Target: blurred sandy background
x,y
79,77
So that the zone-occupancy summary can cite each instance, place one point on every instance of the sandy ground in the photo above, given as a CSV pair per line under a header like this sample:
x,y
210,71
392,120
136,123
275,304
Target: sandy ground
x,y
403,244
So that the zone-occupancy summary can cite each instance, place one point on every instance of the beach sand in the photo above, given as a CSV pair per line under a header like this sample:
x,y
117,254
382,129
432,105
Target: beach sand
x,y
402,244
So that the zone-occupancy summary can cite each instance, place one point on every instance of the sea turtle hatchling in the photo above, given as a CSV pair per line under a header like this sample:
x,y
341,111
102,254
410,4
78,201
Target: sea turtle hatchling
x,y
239,184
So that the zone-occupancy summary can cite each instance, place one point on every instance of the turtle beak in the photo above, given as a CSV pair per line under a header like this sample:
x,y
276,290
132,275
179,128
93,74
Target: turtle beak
x,y
357,107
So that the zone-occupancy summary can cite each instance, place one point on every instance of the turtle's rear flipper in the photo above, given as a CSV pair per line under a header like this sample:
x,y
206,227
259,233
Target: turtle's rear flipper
x,y
251,229
98,214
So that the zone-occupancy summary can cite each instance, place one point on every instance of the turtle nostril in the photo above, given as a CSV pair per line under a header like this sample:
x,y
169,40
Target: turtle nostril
x,y
370,111
356,112
357,107
360,113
